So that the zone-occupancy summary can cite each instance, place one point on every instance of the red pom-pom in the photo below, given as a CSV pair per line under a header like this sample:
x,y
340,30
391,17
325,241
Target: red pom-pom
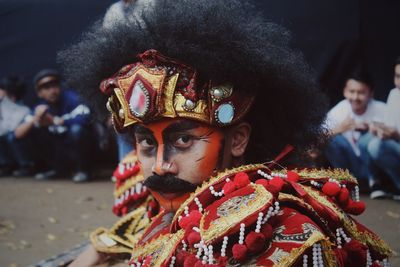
x,y
267,231
277,182
341,257
195,216
293,176
255,241
184,222
263,182
239,252
357,252
376,264
355,207
331,189
193,238
124,210
241,179
229,187
343,196
190,261
272,189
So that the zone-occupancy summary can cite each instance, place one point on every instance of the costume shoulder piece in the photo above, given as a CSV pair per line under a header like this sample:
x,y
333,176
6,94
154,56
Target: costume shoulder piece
x,y
133,203
252,216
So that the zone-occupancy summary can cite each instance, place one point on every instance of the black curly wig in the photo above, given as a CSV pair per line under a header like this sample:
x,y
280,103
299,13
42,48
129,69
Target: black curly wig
x,y
226,41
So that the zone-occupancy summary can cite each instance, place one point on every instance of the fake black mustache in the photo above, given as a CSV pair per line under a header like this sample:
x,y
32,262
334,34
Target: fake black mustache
x,y
168,184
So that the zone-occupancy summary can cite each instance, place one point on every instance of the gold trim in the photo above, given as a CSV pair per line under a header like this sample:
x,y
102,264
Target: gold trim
x,y
128,184
99,246
169,96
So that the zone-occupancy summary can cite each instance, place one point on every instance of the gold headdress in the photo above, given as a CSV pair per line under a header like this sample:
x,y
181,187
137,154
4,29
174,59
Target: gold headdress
x,y
160,87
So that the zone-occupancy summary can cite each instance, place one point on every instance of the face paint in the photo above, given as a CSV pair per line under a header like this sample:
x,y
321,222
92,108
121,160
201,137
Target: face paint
x,y
182,148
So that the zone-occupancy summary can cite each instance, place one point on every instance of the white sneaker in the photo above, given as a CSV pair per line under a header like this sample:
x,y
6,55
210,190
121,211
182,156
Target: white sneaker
x,y
379,194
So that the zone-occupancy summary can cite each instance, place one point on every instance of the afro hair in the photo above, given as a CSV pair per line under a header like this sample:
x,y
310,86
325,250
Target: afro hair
x,y
226,41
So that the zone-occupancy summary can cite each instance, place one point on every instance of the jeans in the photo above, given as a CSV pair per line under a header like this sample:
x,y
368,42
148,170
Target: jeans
x,y
386,154
13,150
340,154
66,150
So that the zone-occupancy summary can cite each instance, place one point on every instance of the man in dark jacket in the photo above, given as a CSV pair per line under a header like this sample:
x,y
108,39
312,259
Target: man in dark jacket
x,y
61,120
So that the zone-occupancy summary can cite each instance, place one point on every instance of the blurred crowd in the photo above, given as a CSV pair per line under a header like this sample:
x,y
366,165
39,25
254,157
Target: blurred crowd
x,y
364,135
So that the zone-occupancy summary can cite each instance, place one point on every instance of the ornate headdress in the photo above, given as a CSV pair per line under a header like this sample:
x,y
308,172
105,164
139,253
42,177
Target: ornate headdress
x,y
160,87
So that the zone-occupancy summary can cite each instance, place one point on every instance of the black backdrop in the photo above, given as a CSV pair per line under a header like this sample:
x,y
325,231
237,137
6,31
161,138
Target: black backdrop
x,y
334,35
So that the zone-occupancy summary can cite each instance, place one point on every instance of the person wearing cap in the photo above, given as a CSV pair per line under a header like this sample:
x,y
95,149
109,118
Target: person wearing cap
x,y
61,123
15,152
216,100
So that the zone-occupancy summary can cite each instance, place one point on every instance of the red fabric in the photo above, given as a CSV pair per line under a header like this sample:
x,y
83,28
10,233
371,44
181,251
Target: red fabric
x,y
190,261
267,231
341,257
293,176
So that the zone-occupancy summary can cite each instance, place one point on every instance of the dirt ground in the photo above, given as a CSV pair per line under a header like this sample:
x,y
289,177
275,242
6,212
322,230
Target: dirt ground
x,y
41,219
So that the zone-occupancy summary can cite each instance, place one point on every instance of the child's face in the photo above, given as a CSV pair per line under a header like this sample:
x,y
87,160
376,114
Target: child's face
x,y
397,76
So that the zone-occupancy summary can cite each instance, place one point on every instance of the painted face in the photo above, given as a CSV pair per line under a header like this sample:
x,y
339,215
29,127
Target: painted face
x,y
358,94
176,155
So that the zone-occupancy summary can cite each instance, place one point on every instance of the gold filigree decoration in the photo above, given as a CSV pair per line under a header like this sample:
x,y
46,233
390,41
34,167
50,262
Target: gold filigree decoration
x,y
161,248
295,253
128,184
247,206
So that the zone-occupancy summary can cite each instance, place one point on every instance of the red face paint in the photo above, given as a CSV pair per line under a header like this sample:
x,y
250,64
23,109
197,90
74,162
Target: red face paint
x,y
183,148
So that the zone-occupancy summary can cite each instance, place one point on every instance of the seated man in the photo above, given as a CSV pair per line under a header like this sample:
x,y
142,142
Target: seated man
x,y
385,147
62,131
349,123
209,111
14,151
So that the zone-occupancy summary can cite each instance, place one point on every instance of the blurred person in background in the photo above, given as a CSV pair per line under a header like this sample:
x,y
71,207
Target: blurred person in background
x,y
61,127
384,148
15,152
349,124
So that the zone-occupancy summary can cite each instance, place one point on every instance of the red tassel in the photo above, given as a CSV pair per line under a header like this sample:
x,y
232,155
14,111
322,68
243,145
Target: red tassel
x,y
241,180
277,182
229,187
239,252
255,242
331,189
355,207
343,196
267,231
293,176
193,238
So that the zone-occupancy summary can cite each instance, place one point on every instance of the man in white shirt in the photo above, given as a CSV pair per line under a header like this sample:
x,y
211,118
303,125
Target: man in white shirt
x,y
349,123
384,148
